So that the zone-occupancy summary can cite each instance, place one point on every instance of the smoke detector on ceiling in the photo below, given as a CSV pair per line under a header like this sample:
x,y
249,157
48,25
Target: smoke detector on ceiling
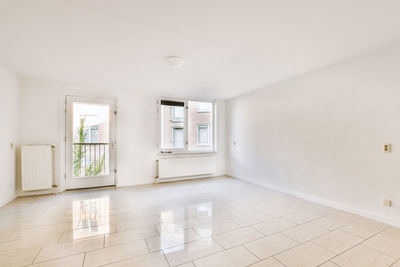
x,y
175,61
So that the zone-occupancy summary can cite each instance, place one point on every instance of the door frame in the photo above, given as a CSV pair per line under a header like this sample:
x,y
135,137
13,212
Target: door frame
x,y
96,181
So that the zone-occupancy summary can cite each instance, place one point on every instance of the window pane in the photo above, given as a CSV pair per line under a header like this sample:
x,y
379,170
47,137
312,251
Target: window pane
x,y
200,126
178,137
203,135
172,125
177,114
204,107
90,136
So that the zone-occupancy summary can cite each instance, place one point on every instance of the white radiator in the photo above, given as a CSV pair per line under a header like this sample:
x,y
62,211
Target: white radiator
x,y
36,167
185,167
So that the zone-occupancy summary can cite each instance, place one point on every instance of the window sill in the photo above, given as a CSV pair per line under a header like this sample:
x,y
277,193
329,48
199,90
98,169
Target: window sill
x,y
186,153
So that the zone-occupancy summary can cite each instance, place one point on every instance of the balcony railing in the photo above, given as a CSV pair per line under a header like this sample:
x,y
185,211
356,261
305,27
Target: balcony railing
x,y
90,159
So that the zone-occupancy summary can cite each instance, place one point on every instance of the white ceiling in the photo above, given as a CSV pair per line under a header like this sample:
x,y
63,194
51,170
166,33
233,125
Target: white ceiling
x,y
230,47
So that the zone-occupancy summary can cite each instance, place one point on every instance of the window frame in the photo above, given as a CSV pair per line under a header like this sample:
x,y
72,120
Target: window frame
x,y
185,150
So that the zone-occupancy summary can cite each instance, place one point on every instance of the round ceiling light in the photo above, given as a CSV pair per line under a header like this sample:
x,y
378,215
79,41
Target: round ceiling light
x,y
175,61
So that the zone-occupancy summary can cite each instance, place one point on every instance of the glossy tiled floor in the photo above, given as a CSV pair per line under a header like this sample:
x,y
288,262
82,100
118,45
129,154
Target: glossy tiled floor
x,y
210,222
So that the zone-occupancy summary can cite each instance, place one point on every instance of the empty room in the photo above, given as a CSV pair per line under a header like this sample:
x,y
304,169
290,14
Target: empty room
x,y
165,133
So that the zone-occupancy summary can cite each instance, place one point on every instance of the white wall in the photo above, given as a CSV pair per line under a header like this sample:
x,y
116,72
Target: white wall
x,y
321,135
42,122
8,133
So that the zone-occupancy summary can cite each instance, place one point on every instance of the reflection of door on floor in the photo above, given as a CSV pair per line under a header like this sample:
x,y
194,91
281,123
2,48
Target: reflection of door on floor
x,y
89,142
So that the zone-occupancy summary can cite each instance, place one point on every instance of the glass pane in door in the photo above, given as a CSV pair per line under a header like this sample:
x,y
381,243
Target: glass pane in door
x,y
90,139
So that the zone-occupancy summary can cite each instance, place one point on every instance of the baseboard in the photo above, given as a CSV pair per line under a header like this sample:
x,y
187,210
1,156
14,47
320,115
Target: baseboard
x,y
8,200
325,202
164,180
53,190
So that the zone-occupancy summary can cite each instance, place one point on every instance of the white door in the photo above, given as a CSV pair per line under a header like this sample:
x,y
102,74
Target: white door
x,y
90,141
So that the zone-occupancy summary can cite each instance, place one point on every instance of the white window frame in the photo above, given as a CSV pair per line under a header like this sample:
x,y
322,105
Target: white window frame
x,y
185,150
198,134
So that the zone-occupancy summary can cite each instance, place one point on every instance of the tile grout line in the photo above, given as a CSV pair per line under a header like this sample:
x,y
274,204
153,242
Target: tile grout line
x,y
259,259
278,260
84,258
40,250
165,257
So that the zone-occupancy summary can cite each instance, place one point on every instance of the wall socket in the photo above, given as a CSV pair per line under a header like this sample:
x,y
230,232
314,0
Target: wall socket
x,y
387,148
387,202
11,145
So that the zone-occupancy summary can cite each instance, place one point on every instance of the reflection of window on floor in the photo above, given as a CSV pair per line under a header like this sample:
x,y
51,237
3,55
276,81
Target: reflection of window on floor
x,y
203,134
91,217
177,137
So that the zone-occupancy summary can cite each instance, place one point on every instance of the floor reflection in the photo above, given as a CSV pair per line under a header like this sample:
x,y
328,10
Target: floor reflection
x,y
175,228
91,217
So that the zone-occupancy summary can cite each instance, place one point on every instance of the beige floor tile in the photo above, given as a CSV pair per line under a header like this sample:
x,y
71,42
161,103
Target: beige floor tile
x,y
8,236
16,246
237,237
270,245
191,251
393,230
155,259
307,254
98,230
249,219
217,227
138,223
273,226
278,211
364,228
67,249
363,256
304,232
234,257
115,253
165,227
70,261
19,259
189,264
270,262
329,264
333,221
131,235
386,243
171,239
302,217
337,241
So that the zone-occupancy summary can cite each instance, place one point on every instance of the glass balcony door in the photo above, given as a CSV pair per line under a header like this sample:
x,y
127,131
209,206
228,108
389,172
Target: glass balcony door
x,y
90,142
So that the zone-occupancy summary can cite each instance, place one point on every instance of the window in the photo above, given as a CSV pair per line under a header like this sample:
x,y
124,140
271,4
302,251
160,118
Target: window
x,y
200,126
178,138
204,107
177,114
186,126
172,133
203,134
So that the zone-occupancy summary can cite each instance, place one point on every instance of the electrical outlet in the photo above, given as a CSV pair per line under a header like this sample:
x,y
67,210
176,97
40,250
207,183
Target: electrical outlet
x,y
387,148
387,202
11,146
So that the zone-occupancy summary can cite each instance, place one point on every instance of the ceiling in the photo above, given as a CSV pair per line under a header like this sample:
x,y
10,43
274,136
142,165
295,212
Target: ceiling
x,y
230,47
